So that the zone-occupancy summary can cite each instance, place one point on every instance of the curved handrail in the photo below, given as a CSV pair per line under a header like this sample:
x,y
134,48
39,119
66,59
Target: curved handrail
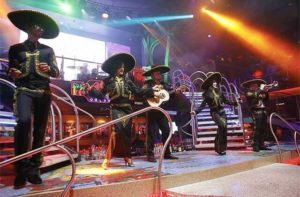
x,y
295,141
234,87
72,180
60,126
226,90
78,108
201,72
277,142
86,132
186,80
53,123
228,84
12,85
75,110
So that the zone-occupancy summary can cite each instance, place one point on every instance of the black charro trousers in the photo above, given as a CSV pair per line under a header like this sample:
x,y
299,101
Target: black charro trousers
x,y
122,128
219,117
157,121
259,117
30,107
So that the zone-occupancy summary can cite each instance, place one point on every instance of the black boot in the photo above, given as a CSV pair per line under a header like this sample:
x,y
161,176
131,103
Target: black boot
x,y
255,148
169,156
264,148
35,179
222,153
151,158
20,181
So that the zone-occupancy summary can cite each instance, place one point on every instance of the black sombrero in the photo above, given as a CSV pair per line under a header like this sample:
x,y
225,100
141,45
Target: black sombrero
x,y
114,62
246,84
22,19
212,76
161,68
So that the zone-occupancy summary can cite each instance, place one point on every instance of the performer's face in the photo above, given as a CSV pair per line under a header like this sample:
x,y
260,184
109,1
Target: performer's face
x,y
36,31
156,75
215,84
121,70
253,86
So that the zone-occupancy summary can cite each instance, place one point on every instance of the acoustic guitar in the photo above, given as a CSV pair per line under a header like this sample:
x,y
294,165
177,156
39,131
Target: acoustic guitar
x,y
164,96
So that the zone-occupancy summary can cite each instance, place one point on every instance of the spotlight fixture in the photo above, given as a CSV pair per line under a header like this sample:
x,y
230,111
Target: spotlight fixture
x,y
105,15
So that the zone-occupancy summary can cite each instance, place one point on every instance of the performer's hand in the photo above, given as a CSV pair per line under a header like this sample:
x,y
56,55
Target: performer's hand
x,y
193,113
262,86
14,73
44,67
156,94
156,88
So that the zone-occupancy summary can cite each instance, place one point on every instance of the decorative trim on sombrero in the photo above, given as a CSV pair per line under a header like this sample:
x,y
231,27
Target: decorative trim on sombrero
x,y
22,19
212,76
161,68
246,84
114,62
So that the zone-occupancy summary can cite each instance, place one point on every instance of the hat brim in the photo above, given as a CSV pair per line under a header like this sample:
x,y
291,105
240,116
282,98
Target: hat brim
x,y
22,19
248,83
112,64
162,68
208,81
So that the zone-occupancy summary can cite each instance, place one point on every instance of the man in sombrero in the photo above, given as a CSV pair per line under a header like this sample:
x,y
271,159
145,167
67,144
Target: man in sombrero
x,y
31,64
120,90
214,97
257,97
157,120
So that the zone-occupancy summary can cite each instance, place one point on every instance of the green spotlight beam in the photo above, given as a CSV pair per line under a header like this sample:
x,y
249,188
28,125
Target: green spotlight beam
x,y
134,21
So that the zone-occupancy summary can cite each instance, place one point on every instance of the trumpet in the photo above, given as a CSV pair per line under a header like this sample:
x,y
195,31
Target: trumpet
x,y
270,86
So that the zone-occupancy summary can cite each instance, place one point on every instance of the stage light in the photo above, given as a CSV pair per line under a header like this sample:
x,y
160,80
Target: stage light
x,y
135,21
263,43
66,7
105,15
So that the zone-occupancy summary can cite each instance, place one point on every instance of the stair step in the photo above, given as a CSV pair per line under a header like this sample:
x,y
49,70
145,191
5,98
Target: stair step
x,y
6,140
235,131
216,127
5,157
7,122
6,114
229,138
208,113
212,145
234,121
229,116
50,160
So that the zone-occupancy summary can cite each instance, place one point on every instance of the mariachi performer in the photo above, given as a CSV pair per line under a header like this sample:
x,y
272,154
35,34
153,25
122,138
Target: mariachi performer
x,y
157,120
120,90
214,97
257,97
31,64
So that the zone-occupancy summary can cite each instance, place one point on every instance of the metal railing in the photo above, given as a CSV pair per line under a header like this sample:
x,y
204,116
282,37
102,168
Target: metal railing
x,y
89,131
275,137
180,78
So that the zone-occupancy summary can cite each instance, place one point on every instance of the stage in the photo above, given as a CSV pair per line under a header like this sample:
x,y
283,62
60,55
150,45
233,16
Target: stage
x,y
191,167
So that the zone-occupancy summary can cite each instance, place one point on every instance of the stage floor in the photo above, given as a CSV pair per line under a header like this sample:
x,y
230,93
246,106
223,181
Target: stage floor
x,y
90,173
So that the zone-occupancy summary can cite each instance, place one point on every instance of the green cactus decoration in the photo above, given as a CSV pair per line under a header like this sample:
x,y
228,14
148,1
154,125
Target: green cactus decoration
x,y
149,44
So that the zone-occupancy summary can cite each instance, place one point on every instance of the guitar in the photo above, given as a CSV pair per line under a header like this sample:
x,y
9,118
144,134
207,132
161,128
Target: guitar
x,y
164,96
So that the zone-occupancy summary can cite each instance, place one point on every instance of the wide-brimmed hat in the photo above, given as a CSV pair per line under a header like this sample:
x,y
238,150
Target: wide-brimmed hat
x,y
212,76
113,63
161,68
22,19
248,83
